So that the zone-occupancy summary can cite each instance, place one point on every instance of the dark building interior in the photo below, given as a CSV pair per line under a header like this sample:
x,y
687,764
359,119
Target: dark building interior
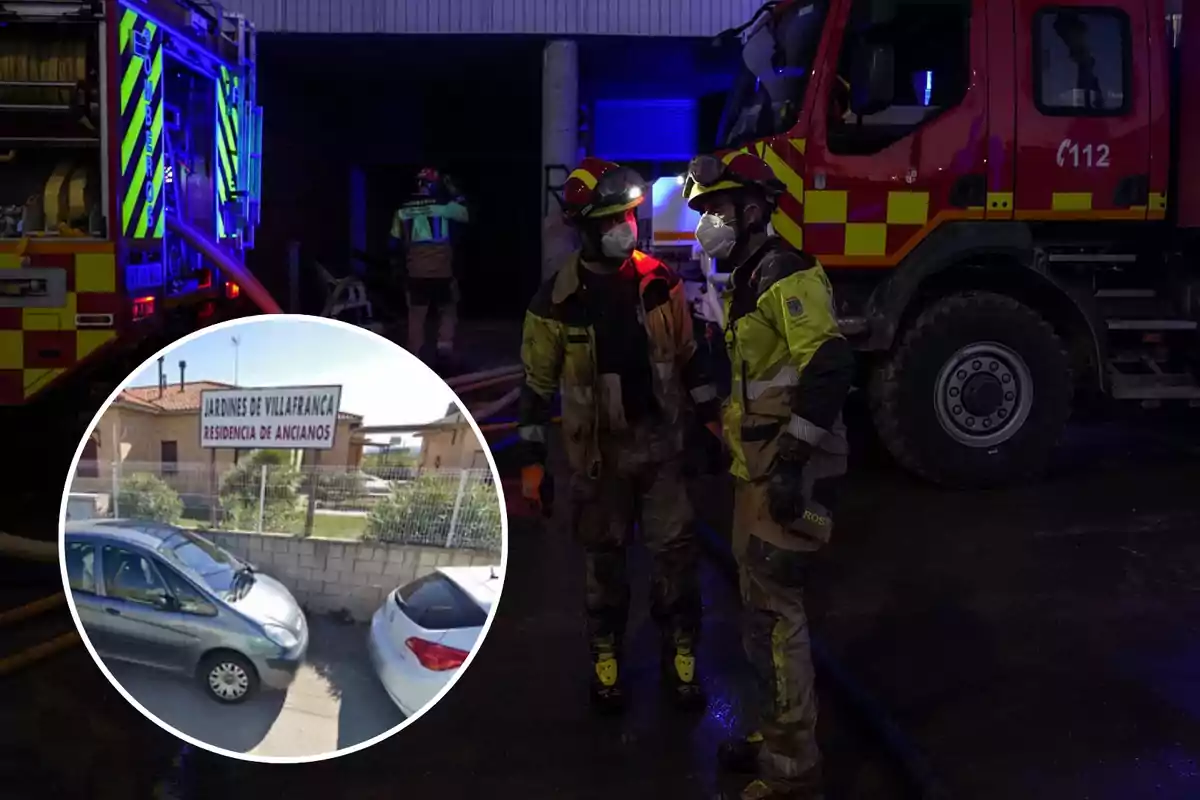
x,y
470,106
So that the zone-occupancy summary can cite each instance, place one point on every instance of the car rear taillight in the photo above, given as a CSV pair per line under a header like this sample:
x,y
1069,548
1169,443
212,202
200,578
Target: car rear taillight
x,y
436,657
232,290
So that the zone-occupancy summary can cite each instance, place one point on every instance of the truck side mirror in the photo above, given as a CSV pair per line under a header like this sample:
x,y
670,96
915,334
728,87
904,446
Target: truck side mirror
x,y
873,79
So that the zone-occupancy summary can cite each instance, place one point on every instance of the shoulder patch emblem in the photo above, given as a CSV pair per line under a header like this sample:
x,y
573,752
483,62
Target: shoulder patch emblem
x,y
795,307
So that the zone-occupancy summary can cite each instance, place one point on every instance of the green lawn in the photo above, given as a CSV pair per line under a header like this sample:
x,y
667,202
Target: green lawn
x,y
336,526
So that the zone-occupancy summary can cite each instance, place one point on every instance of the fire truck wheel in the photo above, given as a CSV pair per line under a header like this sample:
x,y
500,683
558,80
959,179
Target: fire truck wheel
x,y
976,394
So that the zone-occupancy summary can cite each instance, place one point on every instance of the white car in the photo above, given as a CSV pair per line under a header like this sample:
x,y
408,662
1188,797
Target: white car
x,y
374,486
425,630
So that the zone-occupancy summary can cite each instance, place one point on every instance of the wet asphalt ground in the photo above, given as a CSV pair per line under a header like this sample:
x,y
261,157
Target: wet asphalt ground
x,y
1041,642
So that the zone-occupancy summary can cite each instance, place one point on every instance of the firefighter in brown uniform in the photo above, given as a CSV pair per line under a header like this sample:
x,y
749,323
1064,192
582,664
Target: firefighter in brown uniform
x,y
792,371
612,332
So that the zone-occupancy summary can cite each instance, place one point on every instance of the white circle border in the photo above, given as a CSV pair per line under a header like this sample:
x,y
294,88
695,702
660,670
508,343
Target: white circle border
x,y
62,518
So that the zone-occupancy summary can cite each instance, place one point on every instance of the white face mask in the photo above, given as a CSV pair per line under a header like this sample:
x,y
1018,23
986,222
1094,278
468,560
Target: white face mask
x,y
619,241
716,236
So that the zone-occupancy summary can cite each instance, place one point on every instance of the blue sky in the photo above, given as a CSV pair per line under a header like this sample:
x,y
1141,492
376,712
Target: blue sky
x,y
378,380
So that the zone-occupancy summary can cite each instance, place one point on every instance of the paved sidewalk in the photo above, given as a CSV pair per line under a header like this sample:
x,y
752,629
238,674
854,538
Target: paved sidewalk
x,y
335,702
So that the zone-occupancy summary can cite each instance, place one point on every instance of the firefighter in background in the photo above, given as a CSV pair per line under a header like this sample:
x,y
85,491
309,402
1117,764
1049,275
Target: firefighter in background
x,y
791,373
423,258
611,329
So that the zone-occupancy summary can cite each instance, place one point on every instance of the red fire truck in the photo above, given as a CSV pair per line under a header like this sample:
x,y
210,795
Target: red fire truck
x,y
129,179
1006,195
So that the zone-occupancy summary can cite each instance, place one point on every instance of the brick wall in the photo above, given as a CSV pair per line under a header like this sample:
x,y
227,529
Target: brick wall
x,y
328,575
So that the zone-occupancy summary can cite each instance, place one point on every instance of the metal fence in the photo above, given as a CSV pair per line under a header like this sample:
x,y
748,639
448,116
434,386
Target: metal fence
x,y
445,507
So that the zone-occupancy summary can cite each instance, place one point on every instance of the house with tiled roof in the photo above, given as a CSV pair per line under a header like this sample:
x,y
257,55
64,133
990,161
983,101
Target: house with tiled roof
x,y
451,444
157,429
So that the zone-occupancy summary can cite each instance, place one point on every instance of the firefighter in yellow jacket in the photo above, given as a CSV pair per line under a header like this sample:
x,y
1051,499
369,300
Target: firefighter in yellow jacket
x,y
791,373
612,333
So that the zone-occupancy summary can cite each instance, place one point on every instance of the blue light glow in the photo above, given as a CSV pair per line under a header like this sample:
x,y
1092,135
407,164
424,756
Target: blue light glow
x,y
928,86
645,130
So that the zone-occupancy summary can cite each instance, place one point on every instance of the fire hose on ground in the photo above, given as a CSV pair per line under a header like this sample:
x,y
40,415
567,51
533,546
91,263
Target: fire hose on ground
x,y
21,549
236,271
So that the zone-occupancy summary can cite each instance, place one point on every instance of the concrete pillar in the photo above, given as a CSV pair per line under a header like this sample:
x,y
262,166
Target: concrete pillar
x,y
560,142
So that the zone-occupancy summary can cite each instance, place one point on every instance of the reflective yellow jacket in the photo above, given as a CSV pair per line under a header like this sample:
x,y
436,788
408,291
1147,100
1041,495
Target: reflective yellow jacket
x,y
792,368
558,352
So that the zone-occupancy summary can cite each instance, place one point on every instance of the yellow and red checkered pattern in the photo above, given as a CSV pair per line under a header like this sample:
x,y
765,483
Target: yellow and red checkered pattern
x,y
862,222
40,345
877,226
841,225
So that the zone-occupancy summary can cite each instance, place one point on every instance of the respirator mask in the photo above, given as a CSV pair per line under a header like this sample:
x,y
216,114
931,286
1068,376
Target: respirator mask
x,y
619,241
716,236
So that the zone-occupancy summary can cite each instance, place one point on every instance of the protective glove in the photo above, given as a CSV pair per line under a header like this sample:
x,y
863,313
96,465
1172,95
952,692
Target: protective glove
x,y
538,488
785,487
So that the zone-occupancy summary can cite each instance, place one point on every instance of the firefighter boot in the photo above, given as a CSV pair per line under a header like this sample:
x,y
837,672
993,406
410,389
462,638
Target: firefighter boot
x,y
740,755
607,691
679,672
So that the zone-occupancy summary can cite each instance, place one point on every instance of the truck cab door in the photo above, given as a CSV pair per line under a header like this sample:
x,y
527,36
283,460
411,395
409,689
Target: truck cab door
x,y
898,138
1083,110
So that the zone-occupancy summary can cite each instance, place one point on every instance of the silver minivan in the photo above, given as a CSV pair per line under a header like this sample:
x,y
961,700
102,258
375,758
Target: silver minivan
x,y
164,597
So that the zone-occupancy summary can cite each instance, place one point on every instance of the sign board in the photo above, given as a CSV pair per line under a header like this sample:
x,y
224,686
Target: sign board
x,y
281,418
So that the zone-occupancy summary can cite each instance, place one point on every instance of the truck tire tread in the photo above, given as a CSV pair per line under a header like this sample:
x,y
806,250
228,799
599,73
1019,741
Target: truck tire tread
x,y
933,323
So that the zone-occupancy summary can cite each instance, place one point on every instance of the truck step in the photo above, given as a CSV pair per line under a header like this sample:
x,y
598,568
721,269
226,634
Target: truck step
x,y
1153,387
1152,324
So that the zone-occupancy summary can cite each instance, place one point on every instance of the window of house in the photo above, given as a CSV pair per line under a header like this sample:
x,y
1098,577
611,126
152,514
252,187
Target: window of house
x,y
1081,61
169,458
454,437
930,40
89,461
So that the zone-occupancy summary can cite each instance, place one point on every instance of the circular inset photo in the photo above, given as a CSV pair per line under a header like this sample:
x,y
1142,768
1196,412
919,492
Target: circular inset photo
x,y
283,538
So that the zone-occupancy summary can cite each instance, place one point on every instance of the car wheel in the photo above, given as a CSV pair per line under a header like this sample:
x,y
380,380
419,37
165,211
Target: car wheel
x,y
976,395
227,677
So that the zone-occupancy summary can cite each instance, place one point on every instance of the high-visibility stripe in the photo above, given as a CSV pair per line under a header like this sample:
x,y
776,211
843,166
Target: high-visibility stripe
x,y
786,377
783,171
704,393
788,228
126,29
866,239
805,431
825,206
142,158
579,394
907,208
588,179
532,433
1071,201
228,146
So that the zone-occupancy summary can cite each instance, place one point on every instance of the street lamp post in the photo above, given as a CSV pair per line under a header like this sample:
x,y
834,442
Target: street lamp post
x,y
236,344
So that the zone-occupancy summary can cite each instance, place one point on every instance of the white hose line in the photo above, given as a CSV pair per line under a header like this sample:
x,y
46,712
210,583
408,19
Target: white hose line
x,y
475,377
491,408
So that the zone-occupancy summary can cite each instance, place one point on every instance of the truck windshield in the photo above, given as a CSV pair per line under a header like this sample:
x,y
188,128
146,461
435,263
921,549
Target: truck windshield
x,y
776,65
